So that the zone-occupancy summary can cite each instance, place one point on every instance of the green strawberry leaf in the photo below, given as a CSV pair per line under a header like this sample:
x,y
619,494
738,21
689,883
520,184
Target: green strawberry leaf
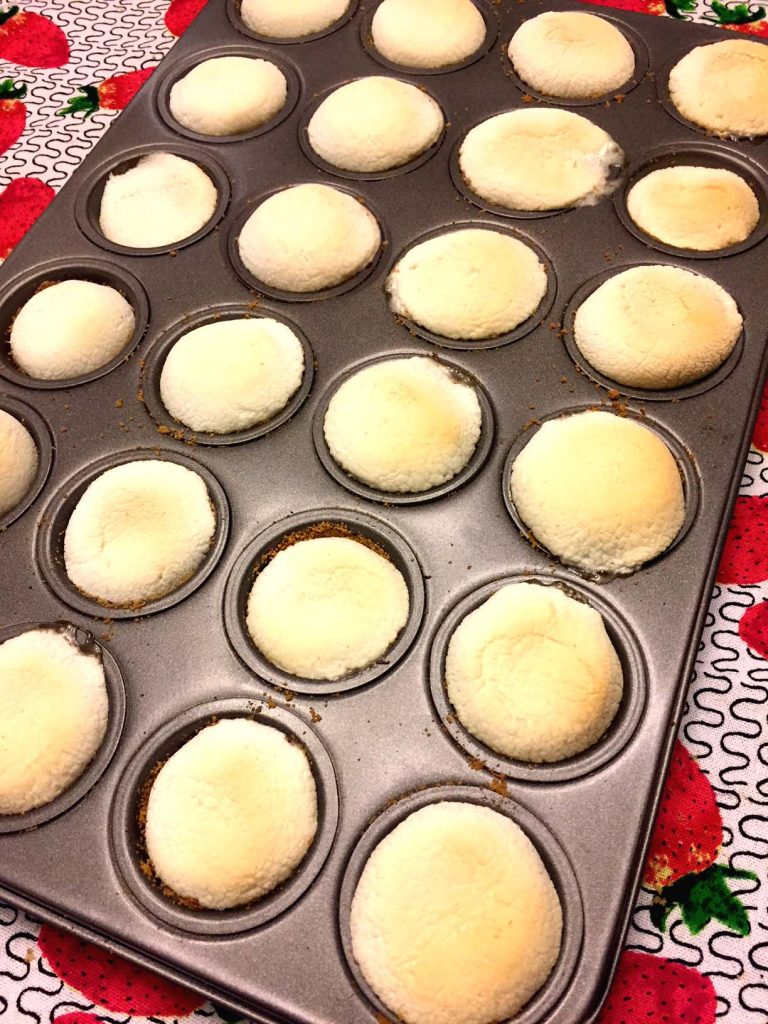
x,y
86,104
6,15
739,14
10,91
675,8
703,897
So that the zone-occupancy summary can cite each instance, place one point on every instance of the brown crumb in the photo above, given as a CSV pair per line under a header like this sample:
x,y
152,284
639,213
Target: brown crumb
x,y
476,764
119,403
527,98
499,785
315,716
613,394
324,528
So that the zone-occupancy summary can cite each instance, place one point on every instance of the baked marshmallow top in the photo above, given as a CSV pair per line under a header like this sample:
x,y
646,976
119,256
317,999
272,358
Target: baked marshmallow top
x,y
455,919
403,425
600,491
722,87
470,283
427,33
374,124
231,814
53,717
308,237
657,327
139,531
160,200
69,329
703,208
19,459
228,95
294,20
325,607
533,674
231,375
571,55
538,159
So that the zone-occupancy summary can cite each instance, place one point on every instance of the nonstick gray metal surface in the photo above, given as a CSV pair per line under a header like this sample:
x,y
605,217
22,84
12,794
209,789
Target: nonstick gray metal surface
x,y
385,735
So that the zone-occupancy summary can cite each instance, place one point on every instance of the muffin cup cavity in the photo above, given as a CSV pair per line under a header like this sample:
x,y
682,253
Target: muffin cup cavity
x,y
665,98
642,60
158,353
22,288
233,13
363,490
41,435
696,154
324,522
260,287
497,341
688,476
491,35
552,854
612,179
88,201
696,387
619,732
183,67
128,849
93,771
53,525
391,172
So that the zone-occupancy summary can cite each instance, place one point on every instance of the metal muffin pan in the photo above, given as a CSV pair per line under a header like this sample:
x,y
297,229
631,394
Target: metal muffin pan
x,y
389,737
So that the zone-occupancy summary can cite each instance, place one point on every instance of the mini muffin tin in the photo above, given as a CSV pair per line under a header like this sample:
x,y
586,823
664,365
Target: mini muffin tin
x,y
383,741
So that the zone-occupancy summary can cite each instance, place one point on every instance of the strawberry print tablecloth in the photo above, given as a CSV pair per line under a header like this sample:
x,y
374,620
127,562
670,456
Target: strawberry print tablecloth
x,y
697,951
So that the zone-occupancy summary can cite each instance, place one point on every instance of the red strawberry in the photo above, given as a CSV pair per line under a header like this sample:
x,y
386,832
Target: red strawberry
x,y
745,556
21,203
13,113
111,982
684,846
652,990
753,628
113,93
752,28
643,6
32,40
181,14
78,1017
760,433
